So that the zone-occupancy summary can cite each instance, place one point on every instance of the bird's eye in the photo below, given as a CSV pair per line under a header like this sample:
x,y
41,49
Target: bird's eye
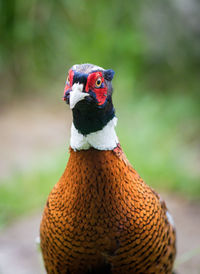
x,y
98,82
67,79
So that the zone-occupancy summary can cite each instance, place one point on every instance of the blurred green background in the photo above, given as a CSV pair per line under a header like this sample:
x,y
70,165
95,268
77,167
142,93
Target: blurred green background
x,y
154,48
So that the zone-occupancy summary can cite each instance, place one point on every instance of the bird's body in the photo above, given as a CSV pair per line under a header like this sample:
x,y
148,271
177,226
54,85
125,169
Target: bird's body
x,y
101,217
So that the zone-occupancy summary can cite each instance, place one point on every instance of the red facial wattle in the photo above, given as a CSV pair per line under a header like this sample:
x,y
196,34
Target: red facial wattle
x,y
95,85
99,92
68,85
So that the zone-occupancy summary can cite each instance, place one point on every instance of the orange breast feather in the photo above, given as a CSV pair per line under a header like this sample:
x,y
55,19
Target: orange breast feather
x,y
102,218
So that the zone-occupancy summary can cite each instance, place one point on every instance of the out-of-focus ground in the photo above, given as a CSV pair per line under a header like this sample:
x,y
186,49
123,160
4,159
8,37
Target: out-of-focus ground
x,y
32,131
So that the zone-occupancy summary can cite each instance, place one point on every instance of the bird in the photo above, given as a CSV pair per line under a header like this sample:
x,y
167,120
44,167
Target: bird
x,y
101,217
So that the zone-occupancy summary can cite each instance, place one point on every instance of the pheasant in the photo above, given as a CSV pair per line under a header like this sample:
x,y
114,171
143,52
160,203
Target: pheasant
x,y
101,217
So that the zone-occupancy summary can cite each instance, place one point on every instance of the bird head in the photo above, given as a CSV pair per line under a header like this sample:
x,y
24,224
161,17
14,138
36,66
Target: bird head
x,y
88,91
88,82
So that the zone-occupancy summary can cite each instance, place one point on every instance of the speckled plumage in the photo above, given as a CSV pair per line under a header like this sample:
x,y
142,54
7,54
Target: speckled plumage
x,y
101,216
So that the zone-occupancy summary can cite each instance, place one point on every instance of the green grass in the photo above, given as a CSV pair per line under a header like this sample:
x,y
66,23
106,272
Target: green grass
x,y
26,192
160,135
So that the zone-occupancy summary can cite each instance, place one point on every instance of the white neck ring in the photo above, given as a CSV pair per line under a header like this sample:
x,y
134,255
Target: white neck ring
x,y
104,139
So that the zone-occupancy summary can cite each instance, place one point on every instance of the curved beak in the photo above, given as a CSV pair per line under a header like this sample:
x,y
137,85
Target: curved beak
x,y
74,94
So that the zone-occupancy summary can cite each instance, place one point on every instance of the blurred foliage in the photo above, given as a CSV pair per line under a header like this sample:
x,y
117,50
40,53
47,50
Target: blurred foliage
x,y
24,193
160,135
155,42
